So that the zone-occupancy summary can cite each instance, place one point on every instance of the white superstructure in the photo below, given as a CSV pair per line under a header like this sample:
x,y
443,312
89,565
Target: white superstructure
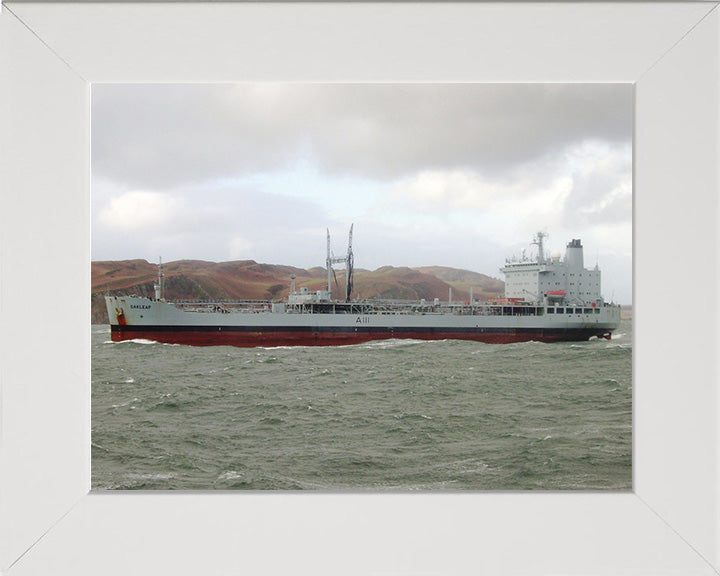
x,y
547,279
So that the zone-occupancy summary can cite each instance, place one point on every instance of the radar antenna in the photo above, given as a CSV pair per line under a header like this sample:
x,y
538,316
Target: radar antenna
x,y
538,241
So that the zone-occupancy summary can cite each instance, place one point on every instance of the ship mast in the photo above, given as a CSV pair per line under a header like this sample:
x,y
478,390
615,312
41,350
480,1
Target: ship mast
x,y
349,267
347,260
159,285
329,262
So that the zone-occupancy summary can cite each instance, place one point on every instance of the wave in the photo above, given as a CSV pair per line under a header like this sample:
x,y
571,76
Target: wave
x,y
128,403
229,475
136,341
283,347
156,476
414,415
619,346
397,342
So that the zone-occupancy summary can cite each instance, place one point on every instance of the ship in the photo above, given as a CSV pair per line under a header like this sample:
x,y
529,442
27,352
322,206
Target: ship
x,y
548,298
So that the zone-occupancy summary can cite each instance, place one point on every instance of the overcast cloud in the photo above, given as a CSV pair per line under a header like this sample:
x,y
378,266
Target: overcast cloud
x,y
458,175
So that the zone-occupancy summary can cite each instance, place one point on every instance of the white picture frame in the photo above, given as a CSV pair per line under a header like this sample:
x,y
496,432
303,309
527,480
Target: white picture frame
x,y
50,523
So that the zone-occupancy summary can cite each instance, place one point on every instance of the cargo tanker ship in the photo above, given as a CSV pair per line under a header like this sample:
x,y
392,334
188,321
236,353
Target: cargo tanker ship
x,y
547,299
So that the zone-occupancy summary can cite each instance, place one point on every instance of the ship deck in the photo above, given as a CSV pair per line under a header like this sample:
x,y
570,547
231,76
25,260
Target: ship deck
x,y
395,307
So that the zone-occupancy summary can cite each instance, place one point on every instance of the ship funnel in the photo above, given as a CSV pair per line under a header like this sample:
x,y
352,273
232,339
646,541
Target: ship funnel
x,y
574,255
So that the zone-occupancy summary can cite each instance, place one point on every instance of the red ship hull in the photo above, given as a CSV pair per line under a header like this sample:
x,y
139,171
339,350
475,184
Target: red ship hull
x,y
247,338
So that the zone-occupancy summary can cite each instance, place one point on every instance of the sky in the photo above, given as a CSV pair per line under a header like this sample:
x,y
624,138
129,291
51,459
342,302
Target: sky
x,y
459,175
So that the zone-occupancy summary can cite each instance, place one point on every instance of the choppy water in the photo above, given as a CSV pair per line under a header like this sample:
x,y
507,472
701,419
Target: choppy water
x,y
388,415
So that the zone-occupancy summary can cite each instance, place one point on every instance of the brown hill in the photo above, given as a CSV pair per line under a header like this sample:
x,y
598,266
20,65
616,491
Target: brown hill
x,y
483,287
248,280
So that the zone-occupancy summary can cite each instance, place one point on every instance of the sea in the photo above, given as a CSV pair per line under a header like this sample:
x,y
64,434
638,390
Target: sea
x,y
390,415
